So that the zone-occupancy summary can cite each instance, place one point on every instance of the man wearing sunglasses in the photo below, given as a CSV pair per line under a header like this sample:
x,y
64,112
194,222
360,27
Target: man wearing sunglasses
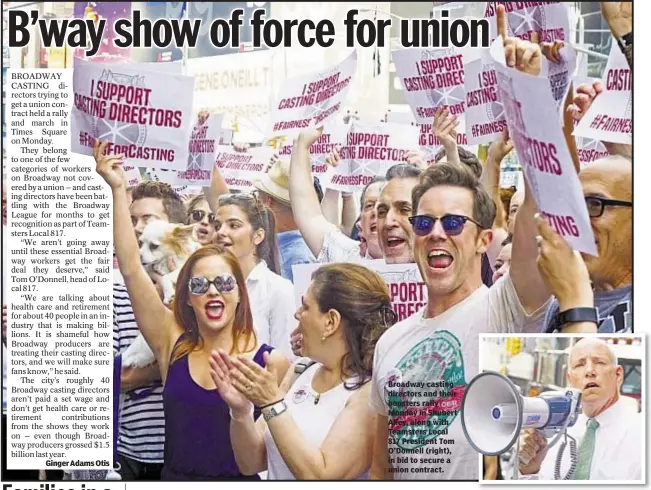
x,y
608,190
427,359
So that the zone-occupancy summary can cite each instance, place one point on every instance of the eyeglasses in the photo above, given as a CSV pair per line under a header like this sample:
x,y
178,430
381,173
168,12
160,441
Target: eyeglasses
x,y
596,205
200,285
452,224
197,215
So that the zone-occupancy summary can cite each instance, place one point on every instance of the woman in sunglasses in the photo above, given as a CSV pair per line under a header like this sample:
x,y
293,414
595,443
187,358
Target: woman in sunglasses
x,y
203,219
317,426
247,227
210,311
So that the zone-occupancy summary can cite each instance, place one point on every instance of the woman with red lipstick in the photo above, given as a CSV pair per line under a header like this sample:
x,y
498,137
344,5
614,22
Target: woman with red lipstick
x,y
246,227
203,219
210,311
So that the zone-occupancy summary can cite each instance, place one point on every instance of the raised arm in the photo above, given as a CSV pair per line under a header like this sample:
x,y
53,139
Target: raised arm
x,y
349,213
306,208
490,179
529,285
154,320
330,206
619,16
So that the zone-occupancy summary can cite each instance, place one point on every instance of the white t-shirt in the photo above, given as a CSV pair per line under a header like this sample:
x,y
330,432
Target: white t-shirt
x,y
337,247
618,446
430,352
314,420
272,306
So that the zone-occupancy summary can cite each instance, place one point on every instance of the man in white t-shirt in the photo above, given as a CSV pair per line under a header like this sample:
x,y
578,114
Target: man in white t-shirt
x,y
423,363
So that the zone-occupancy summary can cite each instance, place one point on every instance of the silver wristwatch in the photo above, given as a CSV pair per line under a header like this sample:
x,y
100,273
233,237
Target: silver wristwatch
x,y
274,410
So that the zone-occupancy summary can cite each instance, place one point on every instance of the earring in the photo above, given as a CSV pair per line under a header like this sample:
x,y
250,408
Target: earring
x,y
323,338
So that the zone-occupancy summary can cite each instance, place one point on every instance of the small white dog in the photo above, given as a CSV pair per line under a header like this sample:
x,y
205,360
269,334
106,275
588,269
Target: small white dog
x,y
159,242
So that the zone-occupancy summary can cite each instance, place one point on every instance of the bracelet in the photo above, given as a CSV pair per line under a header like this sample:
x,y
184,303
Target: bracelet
x,y
575,315
271,404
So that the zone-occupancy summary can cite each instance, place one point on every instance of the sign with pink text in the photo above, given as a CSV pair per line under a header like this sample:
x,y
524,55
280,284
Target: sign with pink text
x,y
536,131
550,20
202,148
431,78
132,109
334,134
485,118
239,169
609,118
407,289
311,100
370,150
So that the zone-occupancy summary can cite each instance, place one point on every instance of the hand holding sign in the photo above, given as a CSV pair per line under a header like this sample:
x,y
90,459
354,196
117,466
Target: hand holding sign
x,y
445,125
500,148
109,166
619,16
585,95
523,55
551,51
562,269
308,137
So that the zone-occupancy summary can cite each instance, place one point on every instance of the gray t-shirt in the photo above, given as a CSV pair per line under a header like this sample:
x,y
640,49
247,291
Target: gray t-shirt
x,y
614,309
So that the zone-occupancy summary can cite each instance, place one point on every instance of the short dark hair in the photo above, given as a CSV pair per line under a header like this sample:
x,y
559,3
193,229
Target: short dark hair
x,y
318,189
374,180
172,202
447,174
403,171
466,157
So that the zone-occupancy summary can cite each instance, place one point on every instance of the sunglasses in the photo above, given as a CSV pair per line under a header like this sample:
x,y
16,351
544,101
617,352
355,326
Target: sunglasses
x,y
197,215
200,285
596,205
452,224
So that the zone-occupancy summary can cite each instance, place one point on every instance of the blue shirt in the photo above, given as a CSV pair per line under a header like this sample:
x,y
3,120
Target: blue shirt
x,y
293,250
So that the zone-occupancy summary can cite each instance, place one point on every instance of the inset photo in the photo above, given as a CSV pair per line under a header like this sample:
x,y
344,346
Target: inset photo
x,y
558,408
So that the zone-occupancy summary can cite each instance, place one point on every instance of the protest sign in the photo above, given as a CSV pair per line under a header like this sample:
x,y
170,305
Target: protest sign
x,y
431,78
311,100
203,144
560,74
132,175
609,117
132,109
539,142
334,134
485,119
240,169
590,150
549,19
407,289
370,150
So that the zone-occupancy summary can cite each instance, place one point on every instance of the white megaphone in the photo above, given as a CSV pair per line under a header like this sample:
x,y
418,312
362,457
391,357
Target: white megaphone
x,y
493,413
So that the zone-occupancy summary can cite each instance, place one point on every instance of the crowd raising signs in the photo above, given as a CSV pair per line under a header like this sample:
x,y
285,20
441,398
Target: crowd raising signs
x,y
535,129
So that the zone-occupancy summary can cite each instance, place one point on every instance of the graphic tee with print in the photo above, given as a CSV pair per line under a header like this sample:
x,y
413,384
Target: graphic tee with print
x,y
420,372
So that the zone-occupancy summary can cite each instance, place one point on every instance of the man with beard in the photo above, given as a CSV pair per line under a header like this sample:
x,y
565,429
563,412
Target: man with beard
x,y
325,239
608,190
422,364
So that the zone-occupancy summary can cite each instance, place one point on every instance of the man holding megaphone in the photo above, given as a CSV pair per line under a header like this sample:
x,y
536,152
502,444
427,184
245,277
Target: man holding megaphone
x,y
608,433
